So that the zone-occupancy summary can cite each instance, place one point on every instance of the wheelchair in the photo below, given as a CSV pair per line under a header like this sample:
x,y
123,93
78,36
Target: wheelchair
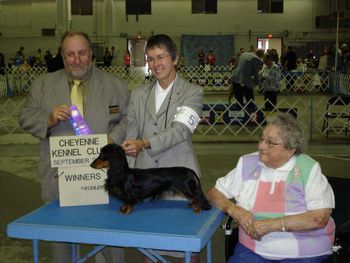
x,y
341,247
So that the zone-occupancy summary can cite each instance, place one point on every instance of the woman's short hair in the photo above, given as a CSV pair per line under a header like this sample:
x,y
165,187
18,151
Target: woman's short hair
x,y
291,131
162,41
268,56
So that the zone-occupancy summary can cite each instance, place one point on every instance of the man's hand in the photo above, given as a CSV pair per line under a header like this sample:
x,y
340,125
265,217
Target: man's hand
x,y
59,113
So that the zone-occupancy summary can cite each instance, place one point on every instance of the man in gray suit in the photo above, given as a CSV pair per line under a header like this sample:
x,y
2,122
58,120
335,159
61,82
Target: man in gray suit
x,y
46,112
163,114
246,75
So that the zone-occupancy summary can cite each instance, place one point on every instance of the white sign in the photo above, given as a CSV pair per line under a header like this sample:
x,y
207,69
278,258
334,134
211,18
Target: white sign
x,y
81,185
70,151
236,114
78,183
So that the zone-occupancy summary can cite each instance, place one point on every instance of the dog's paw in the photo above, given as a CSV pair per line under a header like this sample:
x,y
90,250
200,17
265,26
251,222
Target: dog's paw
x,y
125,209
190,205
197,210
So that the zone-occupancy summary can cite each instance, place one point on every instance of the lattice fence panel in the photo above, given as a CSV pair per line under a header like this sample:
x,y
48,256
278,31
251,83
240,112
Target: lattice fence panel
x,y
9,110
229,119
222,119
213,80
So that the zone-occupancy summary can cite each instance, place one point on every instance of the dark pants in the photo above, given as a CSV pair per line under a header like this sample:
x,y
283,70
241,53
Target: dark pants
x,y
245,255
270,100
126,68
241,91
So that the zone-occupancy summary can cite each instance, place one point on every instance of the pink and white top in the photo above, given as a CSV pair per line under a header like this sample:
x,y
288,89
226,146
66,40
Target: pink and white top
x,y
296,187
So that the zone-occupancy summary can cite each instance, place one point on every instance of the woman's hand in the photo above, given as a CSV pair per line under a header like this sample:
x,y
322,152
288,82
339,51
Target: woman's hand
x,y
263,227
245,219
132,147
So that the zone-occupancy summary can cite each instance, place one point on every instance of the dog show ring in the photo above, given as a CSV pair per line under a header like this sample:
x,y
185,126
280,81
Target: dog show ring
x,y
161,225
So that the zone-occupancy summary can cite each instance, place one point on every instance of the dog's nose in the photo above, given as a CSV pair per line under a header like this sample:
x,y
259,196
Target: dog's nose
x,y
93,164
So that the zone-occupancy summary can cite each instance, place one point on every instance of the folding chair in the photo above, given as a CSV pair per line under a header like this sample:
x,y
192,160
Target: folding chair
x,y
231,237
341,247
337,111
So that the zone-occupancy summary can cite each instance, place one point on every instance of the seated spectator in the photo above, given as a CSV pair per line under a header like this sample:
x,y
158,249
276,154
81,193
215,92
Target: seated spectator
x,y
301,66
282,201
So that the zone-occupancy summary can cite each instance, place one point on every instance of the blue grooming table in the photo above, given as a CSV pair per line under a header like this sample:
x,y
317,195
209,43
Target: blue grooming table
x,y
161,225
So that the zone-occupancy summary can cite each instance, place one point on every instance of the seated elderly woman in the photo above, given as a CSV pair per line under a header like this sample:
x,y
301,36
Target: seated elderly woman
x,y
282,201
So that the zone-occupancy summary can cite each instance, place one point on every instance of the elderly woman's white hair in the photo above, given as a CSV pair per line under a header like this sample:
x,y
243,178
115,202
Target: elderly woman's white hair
x,y
291,131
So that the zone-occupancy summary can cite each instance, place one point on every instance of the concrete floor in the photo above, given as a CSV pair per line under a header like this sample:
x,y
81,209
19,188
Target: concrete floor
x,y
20,191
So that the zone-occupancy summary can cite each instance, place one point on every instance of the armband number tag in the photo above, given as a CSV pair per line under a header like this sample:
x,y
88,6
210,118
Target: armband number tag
x,y
187,116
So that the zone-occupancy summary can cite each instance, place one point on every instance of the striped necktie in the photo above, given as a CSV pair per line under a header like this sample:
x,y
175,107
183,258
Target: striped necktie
x,y
76,96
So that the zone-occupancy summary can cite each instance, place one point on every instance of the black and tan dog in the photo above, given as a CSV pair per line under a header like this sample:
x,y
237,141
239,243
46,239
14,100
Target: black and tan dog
x,y
132,186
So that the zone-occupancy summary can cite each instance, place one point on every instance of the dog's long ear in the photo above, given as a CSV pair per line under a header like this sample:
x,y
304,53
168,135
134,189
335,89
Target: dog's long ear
x,y
120,150
121,157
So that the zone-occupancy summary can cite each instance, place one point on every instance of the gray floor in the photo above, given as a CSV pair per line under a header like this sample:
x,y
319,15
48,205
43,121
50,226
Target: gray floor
x,y
20,191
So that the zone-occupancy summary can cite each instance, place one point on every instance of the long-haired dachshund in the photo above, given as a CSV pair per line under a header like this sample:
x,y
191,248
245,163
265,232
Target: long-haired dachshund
x,y
134,185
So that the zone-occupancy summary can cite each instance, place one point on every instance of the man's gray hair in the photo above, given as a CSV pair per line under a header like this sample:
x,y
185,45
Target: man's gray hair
x,y
75,33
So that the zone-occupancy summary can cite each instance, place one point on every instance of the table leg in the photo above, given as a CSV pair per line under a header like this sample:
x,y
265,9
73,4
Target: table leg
x,y
209,256
74,252
36,250
188,255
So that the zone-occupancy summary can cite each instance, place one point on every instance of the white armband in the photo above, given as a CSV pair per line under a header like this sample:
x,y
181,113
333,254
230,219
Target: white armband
x,y
187,116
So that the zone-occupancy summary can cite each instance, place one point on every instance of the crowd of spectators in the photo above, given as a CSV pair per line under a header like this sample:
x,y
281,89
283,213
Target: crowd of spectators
x,y
21,61
208,59
51,61
331,58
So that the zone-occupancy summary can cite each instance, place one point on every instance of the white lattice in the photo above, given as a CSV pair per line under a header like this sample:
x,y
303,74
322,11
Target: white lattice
x,y
18,80
219,118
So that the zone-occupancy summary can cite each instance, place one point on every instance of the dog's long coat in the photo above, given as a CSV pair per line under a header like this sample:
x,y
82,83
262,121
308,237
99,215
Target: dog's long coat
x,y
134,185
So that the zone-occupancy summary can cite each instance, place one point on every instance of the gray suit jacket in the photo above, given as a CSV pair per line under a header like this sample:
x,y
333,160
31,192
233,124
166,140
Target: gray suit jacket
x,y
247,70
170,145
49,90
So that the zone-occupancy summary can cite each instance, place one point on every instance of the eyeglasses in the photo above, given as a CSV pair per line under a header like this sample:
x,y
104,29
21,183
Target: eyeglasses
x,y
268,142
81,54
158,58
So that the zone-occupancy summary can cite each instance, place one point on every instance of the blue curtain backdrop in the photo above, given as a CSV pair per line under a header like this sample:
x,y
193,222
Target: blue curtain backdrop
x,y
221,45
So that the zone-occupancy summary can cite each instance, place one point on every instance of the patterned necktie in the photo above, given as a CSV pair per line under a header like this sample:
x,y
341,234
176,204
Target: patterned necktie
x,y
76,96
